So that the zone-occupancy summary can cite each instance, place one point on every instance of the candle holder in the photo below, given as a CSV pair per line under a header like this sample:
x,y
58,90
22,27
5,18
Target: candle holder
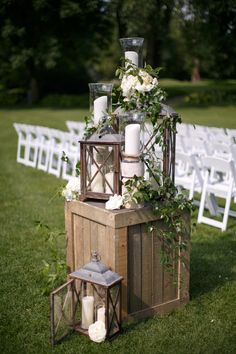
x,y
92,294
100,101
132,48
131,128
100,157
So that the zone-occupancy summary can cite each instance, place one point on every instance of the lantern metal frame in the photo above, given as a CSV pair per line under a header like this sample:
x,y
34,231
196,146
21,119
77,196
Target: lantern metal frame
x,y
88,149
67,308
169,142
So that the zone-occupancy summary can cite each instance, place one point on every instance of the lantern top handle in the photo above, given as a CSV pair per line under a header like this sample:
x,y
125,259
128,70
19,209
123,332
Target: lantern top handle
x,y
95,256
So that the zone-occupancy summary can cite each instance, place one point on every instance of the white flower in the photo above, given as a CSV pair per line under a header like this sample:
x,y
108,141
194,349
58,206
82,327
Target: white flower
x,y
73,184
148,82
68,194
128,84
97,331
114,202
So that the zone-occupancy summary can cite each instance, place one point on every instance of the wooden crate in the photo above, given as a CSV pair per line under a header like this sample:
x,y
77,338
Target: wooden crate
x,y
124,244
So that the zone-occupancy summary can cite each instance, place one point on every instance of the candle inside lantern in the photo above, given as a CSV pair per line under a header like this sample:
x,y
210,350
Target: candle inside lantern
x,y
87,311
132,139
132,56
97,183
110,179
99,109
101,314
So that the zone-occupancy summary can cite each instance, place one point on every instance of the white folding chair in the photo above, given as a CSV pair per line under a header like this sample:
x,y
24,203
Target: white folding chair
x,y
57,146
44,148
28,144
187,173
231,133
72,151
22,142
76,128
218,187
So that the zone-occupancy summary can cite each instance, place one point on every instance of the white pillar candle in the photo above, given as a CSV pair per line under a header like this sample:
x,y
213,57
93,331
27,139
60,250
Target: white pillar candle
x,y
110,179
132,56
97,183
99,109
87,311
132,139
101,314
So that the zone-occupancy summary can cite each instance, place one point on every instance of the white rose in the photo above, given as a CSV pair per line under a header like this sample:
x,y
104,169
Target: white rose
x,y
73,184
114,202
97,331
147,84
128,84
67,194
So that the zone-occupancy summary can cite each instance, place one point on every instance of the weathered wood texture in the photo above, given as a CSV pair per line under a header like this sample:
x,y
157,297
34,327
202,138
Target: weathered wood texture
x,y
124,244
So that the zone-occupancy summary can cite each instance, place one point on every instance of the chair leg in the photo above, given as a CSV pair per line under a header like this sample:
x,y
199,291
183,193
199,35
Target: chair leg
x,y
202,201
227,207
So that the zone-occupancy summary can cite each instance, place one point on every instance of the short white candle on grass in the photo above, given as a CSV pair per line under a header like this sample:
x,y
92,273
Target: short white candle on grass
x,y
132,140
87,311
97,182
132,56
101,314
99,109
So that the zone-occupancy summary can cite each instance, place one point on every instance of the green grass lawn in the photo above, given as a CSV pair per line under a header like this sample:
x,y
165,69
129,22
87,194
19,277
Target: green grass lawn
x,y
206,325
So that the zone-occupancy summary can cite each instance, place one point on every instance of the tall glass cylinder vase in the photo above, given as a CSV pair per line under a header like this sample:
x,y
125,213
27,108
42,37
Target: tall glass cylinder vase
x,y
131,127
132,48
100,101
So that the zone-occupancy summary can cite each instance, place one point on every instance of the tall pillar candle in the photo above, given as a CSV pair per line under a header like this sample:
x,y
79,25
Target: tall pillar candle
x,y
99,109
101,314
132,139
97,183
87,311
132,56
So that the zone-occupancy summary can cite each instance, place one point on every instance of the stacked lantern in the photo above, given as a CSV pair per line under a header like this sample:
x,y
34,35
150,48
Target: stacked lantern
x,y
113,154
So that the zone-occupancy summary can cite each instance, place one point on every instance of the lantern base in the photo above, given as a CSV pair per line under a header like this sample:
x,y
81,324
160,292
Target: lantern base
x,y
78,328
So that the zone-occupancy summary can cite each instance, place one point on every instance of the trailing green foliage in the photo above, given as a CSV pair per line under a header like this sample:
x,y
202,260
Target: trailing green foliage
x,y
54,268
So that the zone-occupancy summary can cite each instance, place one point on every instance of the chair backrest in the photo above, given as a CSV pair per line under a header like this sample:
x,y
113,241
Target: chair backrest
x,y
191,162
220,165
76,128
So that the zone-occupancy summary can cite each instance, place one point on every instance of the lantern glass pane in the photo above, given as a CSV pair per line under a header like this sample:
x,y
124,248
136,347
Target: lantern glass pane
x,y
100,169
114,310
63,307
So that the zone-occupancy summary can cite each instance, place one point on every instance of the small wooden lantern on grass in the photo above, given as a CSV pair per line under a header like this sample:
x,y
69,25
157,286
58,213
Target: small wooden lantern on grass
x,y
91,297
100,166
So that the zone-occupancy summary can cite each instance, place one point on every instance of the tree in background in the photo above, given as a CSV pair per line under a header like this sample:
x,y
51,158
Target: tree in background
x,y
39,36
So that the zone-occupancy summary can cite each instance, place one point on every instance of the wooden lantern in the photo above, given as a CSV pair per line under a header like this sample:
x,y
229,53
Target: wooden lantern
x,y
92,294
100,157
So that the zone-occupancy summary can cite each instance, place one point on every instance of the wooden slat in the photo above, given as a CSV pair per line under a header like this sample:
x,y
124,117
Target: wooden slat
x,y
78,241
69,238
102,243
93,236
121,265
157,279
134,268
110,248
147,266
86,241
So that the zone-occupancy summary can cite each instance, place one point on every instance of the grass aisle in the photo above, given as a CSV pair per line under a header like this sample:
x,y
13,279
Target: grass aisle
x,y
206,325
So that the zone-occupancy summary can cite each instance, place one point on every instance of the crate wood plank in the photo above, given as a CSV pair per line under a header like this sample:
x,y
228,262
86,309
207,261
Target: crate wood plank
x,y
86,243
121,265
102,243
110,247
157,280
93,236
147,266
69,238
135,268
78,241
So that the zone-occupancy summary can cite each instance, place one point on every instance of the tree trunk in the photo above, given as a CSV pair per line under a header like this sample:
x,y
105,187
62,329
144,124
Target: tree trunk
x,y
195,75
33,93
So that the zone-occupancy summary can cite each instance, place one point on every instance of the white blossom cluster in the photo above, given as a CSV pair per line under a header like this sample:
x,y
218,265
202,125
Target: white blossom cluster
x,y
131,84
72,189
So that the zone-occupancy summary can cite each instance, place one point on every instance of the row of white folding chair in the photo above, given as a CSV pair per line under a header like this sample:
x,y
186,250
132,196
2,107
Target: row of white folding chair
x,y
76,128
42,148
215,178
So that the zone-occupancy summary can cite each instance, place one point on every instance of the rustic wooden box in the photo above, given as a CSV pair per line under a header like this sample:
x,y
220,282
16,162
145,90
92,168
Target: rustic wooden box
x,y
123,242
